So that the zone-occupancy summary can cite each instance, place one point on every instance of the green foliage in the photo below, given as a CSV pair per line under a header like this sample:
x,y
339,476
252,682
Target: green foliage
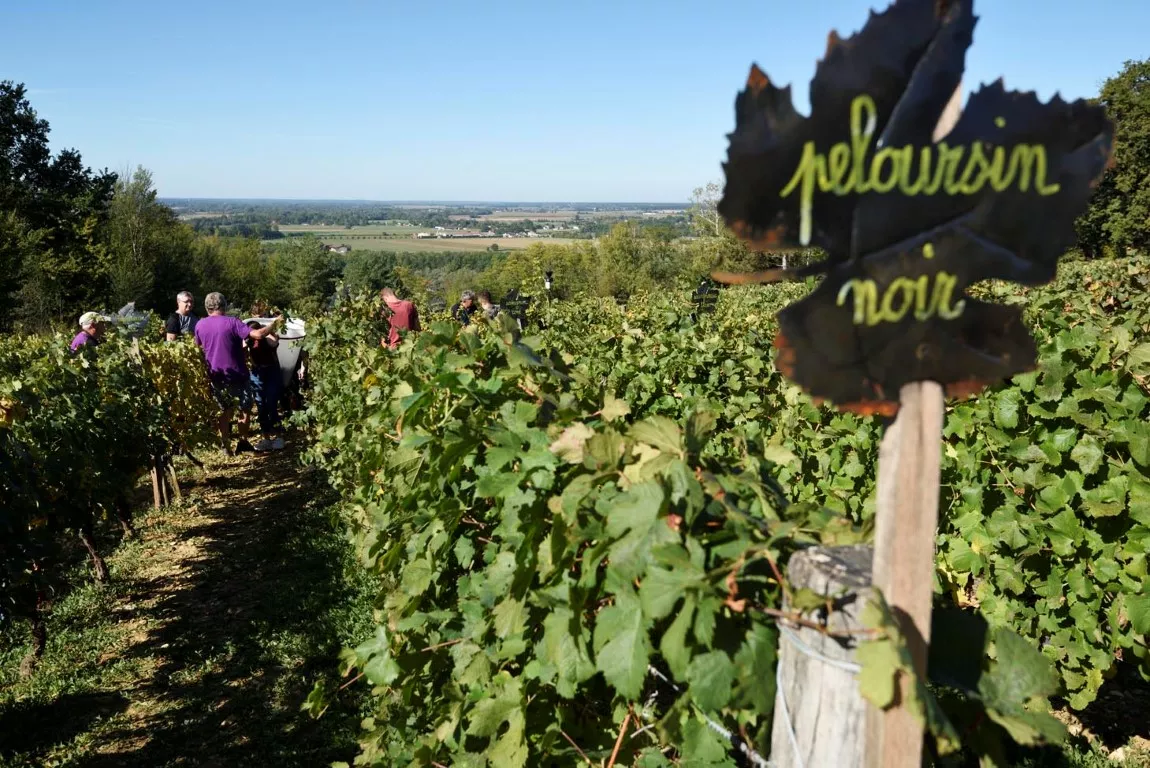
x,y
1047,515
1005,697
538,550
76,432
1119,213
370,271
549,515
53,213
139,244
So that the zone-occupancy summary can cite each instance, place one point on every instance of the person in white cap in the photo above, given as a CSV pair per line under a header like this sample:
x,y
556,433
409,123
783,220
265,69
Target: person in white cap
x,y
91,330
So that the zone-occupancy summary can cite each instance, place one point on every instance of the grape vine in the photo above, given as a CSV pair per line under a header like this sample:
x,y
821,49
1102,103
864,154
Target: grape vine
x,y
551,516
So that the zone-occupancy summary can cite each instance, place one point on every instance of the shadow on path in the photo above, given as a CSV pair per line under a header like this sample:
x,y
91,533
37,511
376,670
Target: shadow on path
x,y
242,605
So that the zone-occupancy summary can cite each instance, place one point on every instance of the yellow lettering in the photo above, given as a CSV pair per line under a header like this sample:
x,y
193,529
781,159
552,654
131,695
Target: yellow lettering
x,y
845,168
862,106
838,165
975,175
902,296
804,176
902,287
951,160
886,154
939,168
998,182
907,161
866,296
943,290
923,310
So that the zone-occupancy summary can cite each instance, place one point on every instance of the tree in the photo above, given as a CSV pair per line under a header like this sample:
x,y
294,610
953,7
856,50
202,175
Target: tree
x,y
306,272
140,237
55,211
704,211
721,248
244,273
369,271
1119,212
632,260
18,246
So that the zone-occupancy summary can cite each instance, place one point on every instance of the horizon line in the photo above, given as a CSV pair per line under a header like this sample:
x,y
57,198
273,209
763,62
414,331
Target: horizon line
x,y
425,201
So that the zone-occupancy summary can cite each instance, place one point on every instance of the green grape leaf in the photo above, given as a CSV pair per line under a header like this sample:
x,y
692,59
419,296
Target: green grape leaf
x,y
622,648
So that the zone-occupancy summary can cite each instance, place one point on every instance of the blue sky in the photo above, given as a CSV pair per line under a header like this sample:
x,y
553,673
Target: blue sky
x,y
525,101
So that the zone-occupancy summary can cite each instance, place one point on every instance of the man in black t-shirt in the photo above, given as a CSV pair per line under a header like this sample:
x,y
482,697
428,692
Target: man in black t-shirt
x,y
182,320
463,309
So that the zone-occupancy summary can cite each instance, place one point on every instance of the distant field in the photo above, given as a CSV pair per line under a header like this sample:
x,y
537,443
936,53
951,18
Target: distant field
x,y
392,237
524,215
432,244
370,229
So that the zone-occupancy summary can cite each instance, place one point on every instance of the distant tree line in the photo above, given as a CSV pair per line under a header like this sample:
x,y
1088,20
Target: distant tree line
x,y
74,239
263,220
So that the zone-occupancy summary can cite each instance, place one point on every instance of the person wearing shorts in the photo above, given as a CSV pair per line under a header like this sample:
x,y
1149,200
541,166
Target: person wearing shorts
x,y
222,339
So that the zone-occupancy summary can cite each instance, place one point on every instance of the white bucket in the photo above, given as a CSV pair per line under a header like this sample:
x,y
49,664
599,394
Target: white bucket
x,y
290,336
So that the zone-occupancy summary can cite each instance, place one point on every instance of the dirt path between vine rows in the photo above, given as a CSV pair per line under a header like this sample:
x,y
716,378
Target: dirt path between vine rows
x,y
220,617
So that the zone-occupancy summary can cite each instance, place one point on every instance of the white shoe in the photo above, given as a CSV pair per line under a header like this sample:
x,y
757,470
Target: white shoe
x,y
278,444
263,446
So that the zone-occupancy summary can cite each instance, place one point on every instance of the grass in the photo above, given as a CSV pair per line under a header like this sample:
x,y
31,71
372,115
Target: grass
x,y
219,620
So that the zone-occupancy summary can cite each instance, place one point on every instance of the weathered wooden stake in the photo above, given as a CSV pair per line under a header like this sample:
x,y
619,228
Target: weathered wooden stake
x,y
157,494
906,521
821,718
818,701
173,479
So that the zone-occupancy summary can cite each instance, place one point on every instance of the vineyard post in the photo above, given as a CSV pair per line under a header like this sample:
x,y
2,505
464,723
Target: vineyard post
x,y
906,520
905,524
820,717
157,497
172,478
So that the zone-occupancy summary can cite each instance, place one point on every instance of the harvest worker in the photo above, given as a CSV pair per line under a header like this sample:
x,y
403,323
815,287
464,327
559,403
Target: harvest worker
x,y
222,339
489,309
403,315
182,320
267,385
464,308
91,331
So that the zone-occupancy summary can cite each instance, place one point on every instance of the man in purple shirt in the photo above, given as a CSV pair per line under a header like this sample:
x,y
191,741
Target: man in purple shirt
x,y
222,339
91,331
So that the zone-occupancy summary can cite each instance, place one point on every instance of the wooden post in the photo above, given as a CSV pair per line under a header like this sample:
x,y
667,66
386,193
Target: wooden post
x,y
906,520
173,480
157,497
905,524
817,699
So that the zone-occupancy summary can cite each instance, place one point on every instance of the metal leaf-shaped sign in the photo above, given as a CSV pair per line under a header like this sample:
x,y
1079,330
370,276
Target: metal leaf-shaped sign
x,y
909,219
